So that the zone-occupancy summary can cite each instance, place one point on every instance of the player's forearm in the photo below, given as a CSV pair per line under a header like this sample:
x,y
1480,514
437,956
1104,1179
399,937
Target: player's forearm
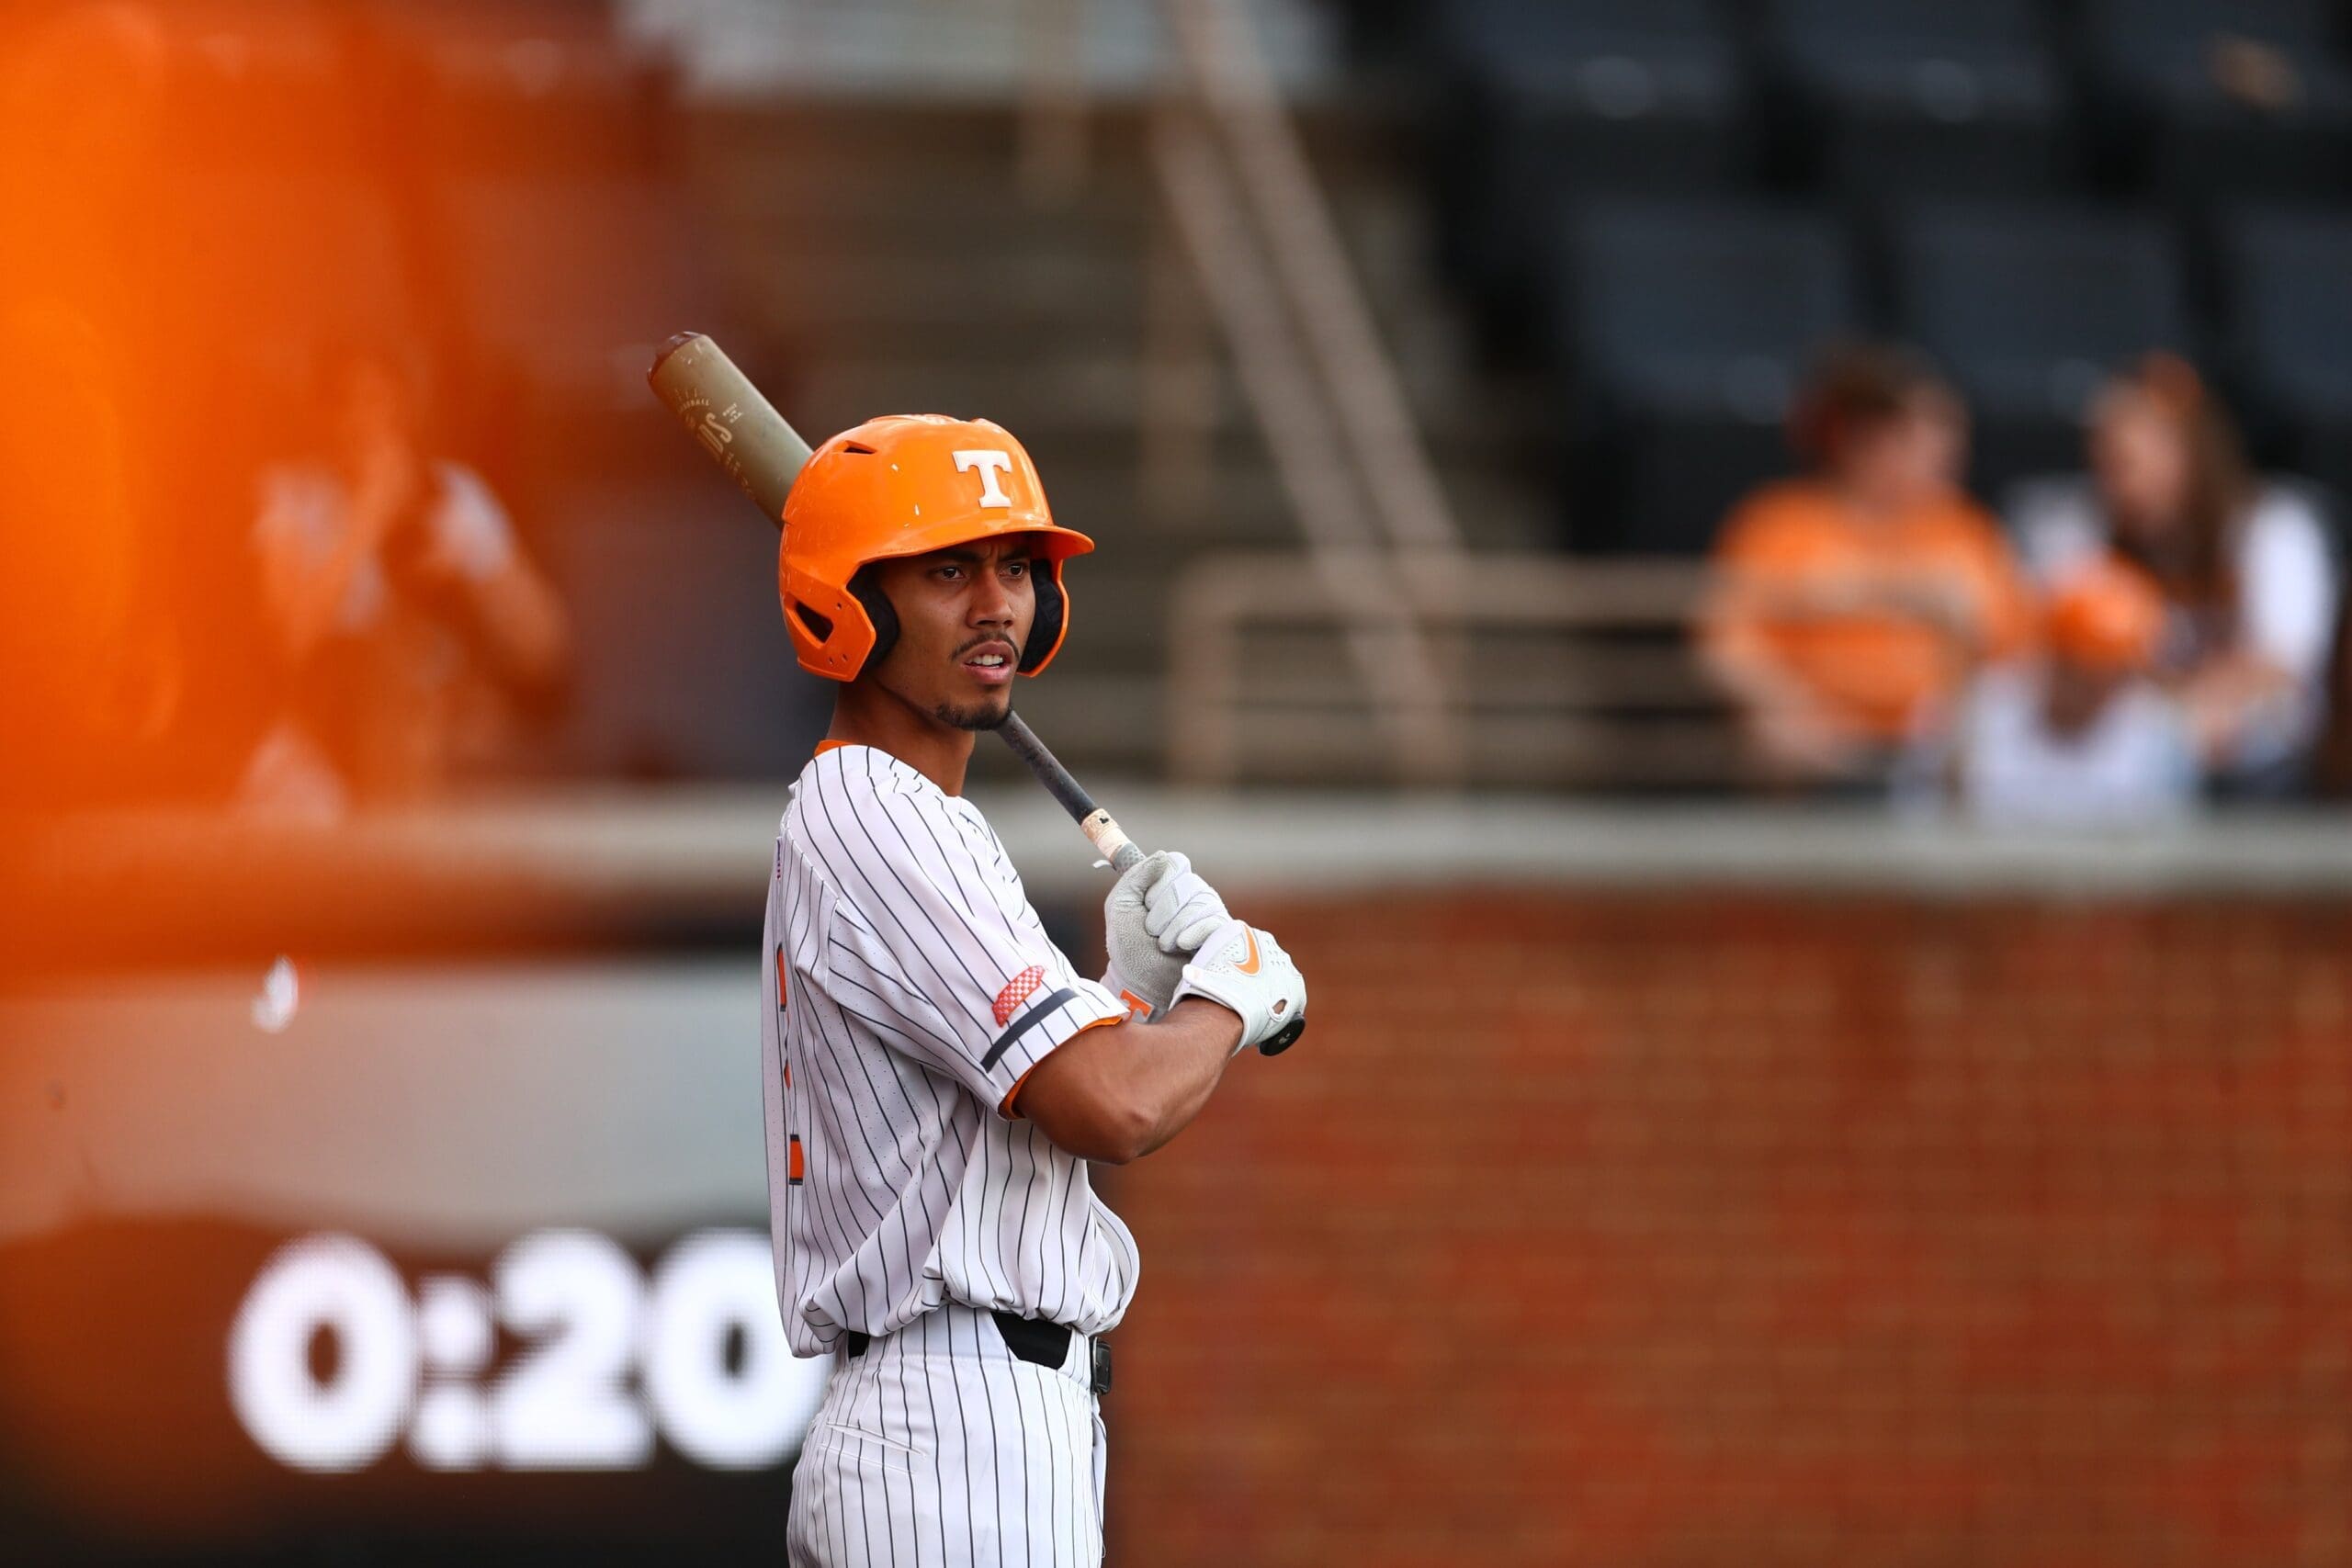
x,y
1117,1093
1182,1060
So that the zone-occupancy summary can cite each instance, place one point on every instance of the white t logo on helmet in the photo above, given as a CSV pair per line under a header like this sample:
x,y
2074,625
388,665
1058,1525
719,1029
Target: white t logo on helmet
x,y
992,461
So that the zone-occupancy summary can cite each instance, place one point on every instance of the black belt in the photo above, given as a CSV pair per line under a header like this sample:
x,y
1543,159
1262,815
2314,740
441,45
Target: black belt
x,y
1033,1339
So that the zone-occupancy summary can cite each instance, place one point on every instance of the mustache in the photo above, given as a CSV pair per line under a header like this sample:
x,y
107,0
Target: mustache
x,y
992,639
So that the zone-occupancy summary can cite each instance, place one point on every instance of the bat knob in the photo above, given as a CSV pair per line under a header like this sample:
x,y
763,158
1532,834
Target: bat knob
x,y
1283,1039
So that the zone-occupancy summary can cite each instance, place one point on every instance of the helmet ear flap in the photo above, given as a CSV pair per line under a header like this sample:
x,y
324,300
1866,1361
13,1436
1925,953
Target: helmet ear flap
x,y
819,625
1045,628
1045,625
828,626
866,587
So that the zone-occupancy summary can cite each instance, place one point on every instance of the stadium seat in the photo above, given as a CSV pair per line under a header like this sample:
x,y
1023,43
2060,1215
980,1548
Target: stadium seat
x,y
1956,98
2222,97
1684,326
1543,96
1382,31
2028,307
2287,280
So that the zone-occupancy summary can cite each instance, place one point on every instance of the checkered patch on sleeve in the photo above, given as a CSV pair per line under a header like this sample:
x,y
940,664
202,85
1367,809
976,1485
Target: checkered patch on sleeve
x,y
1018,990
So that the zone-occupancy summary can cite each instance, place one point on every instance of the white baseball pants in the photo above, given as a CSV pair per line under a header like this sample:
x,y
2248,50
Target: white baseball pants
x,y
938,1446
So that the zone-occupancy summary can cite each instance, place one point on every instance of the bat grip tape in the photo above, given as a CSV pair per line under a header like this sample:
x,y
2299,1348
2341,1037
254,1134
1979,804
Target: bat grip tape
x,y
1109,841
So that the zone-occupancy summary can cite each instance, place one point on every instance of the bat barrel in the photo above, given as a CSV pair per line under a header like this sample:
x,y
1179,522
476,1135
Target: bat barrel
x,y
735,424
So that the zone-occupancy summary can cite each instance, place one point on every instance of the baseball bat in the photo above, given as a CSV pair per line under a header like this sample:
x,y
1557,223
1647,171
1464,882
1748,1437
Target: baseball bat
x,y
731,419
742,433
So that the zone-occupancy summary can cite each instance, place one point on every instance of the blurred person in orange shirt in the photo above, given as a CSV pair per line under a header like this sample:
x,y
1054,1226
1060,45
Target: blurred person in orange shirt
x,y
2250,584
94,665
1850,605
399,600
2081,735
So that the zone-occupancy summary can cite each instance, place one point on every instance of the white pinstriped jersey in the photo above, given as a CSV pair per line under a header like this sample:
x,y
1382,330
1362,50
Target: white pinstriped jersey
x,y
909,985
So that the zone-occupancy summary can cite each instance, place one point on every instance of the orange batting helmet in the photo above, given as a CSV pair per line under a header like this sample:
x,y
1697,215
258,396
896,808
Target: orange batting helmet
x,y
904,485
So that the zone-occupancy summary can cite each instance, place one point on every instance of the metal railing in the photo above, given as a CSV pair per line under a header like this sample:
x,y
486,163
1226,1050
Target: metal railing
x,y
1557,671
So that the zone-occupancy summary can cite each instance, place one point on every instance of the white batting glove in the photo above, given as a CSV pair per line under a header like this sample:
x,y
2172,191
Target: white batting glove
x,y
1245,969
1152,909
1140,973
1180,909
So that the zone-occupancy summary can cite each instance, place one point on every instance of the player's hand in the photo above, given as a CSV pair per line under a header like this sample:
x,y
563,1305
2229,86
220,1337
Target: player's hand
x,y
1245,969
1180,907
1155,917
1140,968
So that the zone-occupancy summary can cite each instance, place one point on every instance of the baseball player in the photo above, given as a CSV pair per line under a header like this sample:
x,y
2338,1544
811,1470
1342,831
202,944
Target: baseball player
x,y
939,1079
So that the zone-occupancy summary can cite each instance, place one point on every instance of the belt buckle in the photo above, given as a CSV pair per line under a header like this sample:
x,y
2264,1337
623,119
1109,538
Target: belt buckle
x,y
1099,1373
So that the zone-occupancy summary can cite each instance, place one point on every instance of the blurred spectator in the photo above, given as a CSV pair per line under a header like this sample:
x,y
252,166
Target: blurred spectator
x,y
94,664
2249,583
1850,605
394,587
2081,735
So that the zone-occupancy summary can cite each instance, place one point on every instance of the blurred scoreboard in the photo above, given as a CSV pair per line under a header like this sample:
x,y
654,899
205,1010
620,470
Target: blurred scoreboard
x,y
431,1257
609,1358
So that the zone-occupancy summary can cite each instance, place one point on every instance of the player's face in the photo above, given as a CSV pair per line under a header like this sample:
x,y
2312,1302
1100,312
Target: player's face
x,y
963,616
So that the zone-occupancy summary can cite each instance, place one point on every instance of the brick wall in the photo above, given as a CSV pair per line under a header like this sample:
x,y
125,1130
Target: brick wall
x,y
1749,1230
